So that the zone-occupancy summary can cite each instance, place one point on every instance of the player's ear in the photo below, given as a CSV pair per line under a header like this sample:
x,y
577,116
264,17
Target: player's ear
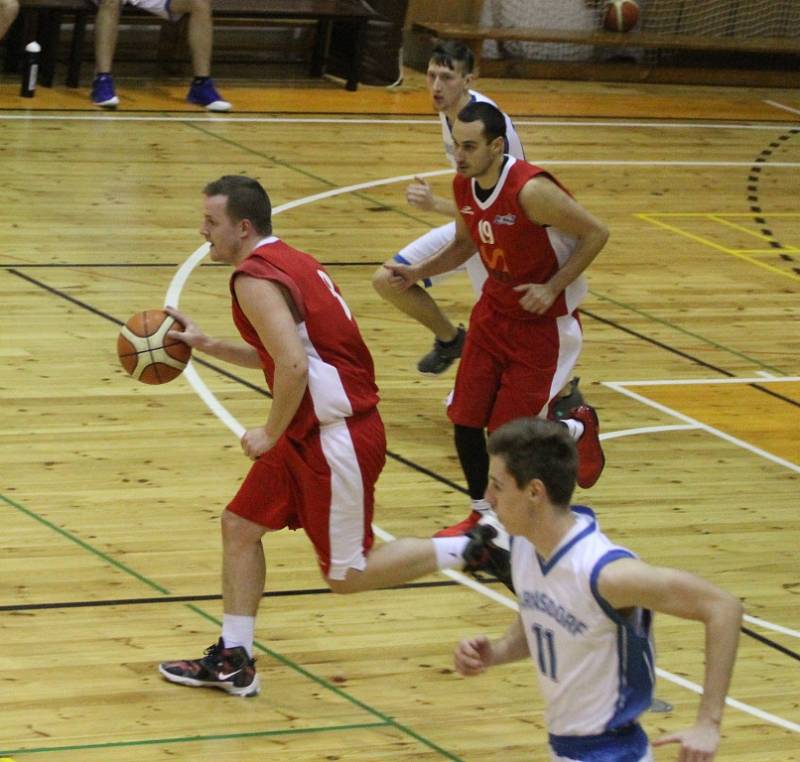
x,y
536,490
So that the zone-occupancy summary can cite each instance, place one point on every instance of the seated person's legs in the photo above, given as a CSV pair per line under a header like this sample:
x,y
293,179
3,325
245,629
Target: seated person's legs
x,y
202,91
201,40
106,28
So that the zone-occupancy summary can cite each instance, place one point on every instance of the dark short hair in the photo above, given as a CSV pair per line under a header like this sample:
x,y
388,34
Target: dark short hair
x,y
533,448
450,52
247,200
494,123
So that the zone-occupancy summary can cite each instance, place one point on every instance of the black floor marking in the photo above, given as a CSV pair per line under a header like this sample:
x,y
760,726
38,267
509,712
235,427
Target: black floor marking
x,y
753,180
686,355
771,643
12,608
216,597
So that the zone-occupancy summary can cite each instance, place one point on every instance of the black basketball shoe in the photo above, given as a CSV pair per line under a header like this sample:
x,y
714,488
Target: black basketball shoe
x,y
230,669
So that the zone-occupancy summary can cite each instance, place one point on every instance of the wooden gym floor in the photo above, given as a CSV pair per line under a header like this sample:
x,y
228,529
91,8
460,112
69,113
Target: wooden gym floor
x,y
111,490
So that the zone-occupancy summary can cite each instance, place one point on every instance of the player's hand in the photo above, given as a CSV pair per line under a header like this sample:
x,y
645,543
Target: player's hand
x,y
419,194
189,333
255,442
473,656
698,744
401,277
536,297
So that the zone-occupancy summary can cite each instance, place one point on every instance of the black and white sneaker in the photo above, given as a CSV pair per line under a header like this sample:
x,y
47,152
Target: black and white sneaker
x,y
489,549
229,669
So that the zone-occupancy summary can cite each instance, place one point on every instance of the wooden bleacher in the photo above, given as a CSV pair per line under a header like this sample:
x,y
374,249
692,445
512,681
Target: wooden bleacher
x,y
43,19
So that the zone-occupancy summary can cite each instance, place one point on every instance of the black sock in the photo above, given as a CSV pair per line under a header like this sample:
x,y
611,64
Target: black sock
x,y
474,459
197,81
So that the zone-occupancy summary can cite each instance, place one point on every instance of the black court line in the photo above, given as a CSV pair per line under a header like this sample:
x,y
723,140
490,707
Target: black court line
x,y
14,608
11,608
685,355
771,643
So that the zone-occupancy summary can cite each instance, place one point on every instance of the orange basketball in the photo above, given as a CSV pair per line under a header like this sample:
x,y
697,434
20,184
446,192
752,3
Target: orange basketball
x,y
147,353
620,15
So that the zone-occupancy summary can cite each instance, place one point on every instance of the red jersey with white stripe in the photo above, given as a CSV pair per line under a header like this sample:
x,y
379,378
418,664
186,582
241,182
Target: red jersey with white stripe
x,y
341,375
515,250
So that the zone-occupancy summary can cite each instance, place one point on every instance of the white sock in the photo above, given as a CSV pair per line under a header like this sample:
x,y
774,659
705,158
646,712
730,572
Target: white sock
x,y
575,428
481,506
239,631
450,551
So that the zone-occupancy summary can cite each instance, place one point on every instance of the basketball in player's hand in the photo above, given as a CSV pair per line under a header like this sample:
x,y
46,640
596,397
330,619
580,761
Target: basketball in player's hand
x,y
147,353
620,15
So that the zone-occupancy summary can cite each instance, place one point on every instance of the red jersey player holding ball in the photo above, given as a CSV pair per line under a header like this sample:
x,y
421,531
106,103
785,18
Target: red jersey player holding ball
x,y
524,334
322,448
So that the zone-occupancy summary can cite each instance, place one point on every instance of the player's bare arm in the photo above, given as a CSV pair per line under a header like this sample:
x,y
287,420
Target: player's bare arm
x,y
476,654
266,307
544,203
235,352
630,582
421,195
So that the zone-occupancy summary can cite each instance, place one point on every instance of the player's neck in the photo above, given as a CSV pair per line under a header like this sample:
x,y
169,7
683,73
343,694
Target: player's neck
x,y
453,112
550,530
488,179
249,245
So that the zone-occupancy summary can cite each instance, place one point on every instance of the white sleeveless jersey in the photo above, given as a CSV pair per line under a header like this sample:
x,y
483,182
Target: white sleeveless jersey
x,y
596,669
513,143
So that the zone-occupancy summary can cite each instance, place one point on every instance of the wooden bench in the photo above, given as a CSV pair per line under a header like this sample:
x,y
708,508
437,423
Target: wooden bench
x,y
43,19
474,36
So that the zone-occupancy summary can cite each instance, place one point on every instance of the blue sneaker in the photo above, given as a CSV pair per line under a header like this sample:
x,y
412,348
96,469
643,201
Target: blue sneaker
x,y
206,95
103,91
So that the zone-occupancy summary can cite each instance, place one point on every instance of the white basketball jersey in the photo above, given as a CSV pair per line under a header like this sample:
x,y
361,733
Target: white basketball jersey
x,y
596,668
513,143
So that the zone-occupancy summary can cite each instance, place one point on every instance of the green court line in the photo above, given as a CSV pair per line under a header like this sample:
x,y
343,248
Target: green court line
x,y
68,535
385,720
191,739
297,169
686,332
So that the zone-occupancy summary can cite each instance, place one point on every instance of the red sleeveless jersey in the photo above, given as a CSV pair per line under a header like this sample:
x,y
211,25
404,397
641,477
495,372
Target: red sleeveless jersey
x,y
515,250
341,375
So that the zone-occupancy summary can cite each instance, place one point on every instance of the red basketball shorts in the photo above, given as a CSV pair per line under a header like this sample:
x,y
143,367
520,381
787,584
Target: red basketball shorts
x,y
512,368
324,484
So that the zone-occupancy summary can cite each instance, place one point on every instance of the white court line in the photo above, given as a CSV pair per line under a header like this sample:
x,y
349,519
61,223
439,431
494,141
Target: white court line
x,y
645,430
691,381
618,387
783,106
223,414
211,119
770,626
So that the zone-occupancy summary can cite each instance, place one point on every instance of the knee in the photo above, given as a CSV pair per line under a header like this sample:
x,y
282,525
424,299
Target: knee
x,y
108,5
239,531
380,281
341,586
